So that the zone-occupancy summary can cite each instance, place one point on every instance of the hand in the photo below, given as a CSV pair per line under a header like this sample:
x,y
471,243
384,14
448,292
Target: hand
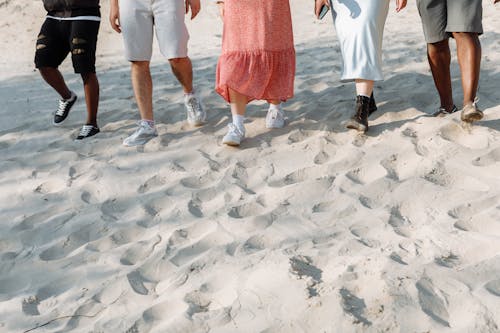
x,y
400,4
114,16
195,7
221,8
320,3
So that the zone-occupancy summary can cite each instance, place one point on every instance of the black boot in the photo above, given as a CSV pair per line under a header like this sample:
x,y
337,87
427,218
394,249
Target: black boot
x,y
359,121
373,105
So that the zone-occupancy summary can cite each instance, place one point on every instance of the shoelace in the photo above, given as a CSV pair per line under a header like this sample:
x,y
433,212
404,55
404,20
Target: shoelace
x,y
62,107
193,105
234,130
86,130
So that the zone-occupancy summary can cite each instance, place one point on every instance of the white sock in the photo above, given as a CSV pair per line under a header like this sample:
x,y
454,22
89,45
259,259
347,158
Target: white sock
x,y
276,107
238,122
150,123
364,95
189,94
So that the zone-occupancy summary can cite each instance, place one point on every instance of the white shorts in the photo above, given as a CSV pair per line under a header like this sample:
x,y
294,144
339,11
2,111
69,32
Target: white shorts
x,y
137,19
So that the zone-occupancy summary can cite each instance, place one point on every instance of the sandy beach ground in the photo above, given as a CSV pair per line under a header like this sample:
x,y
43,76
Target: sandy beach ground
x,y
309,228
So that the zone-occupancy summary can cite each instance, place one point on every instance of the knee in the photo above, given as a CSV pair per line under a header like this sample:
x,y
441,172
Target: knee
x,y
177,61
142,65
89,77
438,49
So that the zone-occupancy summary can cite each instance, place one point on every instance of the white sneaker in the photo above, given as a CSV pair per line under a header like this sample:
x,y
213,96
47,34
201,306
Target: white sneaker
x,y
141,136
275,118
234,136
196,115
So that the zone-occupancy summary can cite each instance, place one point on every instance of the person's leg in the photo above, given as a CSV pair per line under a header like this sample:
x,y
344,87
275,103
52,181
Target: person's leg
x,y
91,88
183,71
55,79
364,87
439,58
236,132
143,88
275,117
143,91
469,59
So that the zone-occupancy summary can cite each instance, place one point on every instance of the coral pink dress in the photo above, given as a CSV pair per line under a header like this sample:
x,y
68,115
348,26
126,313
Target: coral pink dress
x,y
258,56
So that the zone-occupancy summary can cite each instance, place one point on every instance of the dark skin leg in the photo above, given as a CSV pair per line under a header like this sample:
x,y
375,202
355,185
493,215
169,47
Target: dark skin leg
x,y
55,79
439,57
91,88
469,59
90,85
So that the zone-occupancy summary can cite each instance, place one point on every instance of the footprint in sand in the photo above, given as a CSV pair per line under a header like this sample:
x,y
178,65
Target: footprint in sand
x,y
302,175
298,136
439,175
303,268
152,183
139,251
247,210
354,306
198,182
112,209
321,158
75,240
30,306
432,302
493,287
450,261
489,159
137,282
399,223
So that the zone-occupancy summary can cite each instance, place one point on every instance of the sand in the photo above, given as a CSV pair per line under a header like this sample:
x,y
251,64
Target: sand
x,y
309,228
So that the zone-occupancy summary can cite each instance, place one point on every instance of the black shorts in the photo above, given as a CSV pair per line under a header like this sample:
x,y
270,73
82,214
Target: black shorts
x,y
59,37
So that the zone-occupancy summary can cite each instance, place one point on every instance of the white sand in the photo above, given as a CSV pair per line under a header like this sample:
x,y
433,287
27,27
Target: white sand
x,y
310,228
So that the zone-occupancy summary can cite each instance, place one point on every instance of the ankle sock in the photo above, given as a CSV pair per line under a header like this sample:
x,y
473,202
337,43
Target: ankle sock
x,y
275,107
238,121
150,123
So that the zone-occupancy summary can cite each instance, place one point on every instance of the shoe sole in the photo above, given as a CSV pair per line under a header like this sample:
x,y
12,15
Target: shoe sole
x,y
138,144
356,126
231,143
197,123
271,127
472,117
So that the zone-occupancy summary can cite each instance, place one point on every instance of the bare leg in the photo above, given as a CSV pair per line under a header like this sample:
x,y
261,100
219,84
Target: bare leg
x,y
183,71
364,87
91,87
274,101
55,79
469,59
439,57
238,102
143,88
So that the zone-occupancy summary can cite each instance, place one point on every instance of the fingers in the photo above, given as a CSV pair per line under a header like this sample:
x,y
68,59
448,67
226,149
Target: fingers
x,y
318,5
195,7
400,4
115,23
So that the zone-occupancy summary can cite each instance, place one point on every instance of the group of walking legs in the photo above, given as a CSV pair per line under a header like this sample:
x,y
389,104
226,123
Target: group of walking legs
x,y
257,61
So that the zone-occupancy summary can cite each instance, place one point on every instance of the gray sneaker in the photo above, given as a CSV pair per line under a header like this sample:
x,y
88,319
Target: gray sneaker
x,y
234,135
471,113
141,136
275,118
196,115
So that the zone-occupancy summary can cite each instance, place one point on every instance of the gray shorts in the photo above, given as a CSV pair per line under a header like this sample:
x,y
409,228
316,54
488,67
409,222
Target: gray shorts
x,y
442,17
138,19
